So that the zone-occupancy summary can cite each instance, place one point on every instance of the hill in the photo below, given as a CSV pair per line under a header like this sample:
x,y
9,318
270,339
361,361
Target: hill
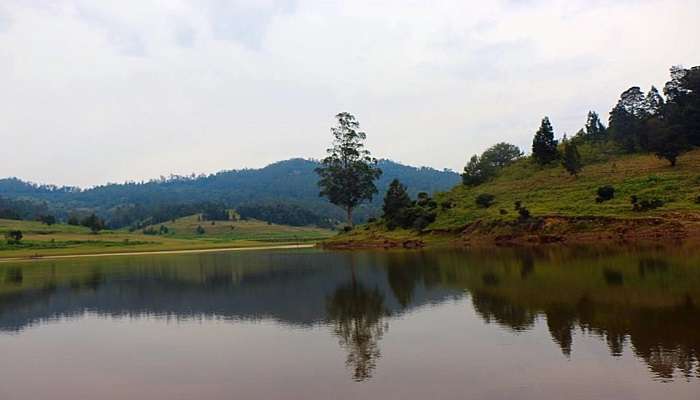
x,y
290,182
563,207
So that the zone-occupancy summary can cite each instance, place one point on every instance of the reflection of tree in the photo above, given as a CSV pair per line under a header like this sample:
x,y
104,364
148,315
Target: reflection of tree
x,y
500,310
357,315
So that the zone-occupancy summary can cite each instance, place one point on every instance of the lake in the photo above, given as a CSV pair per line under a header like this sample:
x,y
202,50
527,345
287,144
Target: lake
x,y
503,323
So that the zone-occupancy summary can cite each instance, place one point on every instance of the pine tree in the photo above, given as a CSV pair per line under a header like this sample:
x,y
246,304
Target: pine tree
x,y
571,159
544,147
396,199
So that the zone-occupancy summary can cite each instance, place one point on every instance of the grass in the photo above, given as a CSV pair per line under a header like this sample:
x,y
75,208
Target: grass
x,y
552,191
60,239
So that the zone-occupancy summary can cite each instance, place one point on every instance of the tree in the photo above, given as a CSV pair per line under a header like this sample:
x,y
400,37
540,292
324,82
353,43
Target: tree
x,y
544,147
395,201
348,173
666,142
682,111
93,222
594,129
474,172
500,155
627,120
47,219
479,169
571,159
13,237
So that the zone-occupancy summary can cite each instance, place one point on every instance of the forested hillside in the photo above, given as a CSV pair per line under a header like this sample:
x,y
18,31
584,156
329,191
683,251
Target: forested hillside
x,y
289,188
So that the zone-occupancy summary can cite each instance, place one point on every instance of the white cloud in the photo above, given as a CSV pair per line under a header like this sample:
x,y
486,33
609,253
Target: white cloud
x,y
135,89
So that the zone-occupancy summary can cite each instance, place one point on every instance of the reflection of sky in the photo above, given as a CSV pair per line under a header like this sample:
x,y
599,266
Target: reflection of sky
x,y
444,351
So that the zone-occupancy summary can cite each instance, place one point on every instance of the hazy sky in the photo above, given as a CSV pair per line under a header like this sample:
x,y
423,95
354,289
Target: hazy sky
x,y
95,91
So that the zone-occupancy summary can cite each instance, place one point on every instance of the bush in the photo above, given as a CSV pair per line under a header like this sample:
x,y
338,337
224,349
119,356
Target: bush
x,y
697,200
641,205
503,211
446,205
605,193
371,220
485,200
200,230
523,213
347,228
150,231
13,237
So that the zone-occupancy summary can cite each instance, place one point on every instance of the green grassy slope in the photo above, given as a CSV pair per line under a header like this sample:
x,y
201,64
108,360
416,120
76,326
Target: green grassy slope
x,y
552,191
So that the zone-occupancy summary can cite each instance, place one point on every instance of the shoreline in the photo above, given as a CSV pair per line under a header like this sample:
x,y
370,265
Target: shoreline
x,y
669,228
156,252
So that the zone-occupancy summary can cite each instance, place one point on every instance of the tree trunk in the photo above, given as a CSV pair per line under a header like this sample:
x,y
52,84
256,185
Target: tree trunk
x,y
349,210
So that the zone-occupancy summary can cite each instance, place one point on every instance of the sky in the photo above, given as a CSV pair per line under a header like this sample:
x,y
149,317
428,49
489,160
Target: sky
x,y
108,91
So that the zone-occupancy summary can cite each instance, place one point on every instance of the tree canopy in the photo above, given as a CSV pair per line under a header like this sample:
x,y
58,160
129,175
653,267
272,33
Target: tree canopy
x,y
347,174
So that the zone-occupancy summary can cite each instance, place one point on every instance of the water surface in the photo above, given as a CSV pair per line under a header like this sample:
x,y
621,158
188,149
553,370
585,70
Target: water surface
x,y
545,323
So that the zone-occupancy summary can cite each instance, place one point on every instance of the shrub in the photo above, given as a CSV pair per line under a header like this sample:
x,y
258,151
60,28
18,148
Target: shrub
x,y
697,200
371,220
446,205
200,230
523,213
347,228
13,237
485,200
150,231
641,205
605,193
503,211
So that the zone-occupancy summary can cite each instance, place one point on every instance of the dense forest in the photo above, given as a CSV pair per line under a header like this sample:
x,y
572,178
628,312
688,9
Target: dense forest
x,y
285,192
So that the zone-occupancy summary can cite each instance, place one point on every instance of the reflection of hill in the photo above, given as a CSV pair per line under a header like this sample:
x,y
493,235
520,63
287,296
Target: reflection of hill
x,y
650,302
290,289
647,301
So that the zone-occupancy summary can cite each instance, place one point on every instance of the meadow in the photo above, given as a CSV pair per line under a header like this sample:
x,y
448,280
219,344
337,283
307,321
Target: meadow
x,y
41,240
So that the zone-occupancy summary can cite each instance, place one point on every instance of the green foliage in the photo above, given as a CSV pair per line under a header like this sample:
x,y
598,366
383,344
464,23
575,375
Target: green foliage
x,y
93,222
396,201
605,193
479,169
348,173
400,211
13,237
571,159
47,219
544,147
200,230
645,204
666,142
485,200
284,214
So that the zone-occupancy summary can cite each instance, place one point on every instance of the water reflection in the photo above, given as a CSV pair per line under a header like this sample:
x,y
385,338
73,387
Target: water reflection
x,y
645,301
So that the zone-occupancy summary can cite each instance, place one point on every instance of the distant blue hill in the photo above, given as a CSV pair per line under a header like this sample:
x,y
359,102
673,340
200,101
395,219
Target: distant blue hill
x,y
289,182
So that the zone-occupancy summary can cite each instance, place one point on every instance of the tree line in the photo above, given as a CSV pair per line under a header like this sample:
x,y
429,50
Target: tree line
x,y
639,122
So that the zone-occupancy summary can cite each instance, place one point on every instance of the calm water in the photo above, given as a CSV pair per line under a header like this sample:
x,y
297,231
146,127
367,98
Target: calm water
x,y
500,324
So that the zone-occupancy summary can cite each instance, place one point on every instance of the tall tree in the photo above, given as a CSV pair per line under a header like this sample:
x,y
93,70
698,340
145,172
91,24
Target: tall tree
x,y
544,147
571,159
682,111
348,173
627,120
